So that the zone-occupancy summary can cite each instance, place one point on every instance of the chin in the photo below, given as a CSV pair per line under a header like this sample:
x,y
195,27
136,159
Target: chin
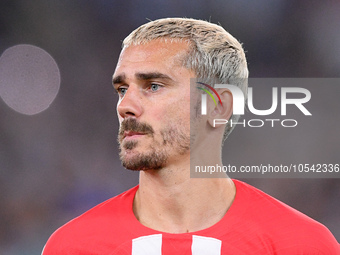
x,y
139,161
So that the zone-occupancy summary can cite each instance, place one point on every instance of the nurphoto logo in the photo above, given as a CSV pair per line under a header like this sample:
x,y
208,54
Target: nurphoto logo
x,y
239,104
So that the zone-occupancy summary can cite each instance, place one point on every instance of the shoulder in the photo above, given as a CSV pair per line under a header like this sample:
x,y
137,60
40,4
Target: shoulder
x,y
285,227
94,226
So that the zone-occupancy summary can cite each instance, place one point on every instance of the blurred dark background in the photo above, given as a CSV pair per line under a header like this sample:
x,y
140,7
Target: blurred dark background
x,y
57,164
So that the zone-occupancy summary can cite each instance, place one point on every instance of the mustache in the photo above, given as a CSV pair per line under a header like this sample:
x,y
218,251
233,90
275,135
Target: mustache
x,y
133,125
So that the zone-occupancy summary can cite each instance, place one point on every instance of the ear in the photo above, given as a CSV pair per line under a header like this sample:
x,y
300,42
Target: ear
x,y
222,111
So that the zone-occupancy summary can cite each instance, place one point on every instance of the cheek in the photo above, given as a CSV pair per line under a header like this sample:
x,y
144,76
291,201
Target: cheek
x,y
178,113
173,110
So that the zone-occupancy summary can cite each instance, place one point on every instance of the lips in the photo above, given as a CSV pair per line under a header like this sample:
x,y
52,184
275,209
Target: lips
x,y
130,129
132,134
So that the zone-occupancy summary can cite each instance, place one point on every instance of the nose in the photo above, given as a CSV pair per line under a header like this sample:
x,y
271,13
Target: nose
x,y
131,104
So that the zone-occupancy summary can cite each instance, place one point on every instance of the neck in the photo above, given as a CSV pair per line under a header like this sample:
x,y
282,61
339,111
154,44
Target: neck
x,y
169,200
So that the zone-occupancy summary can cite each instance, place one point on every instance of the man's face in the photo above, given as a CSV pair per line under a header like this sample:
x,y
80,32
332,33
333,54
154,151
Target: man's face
x,y
154,105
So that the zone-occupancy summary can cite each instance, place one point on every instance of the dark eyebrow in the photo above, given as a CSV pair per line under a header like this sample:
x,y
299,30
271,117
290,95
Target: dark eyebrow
x,y
119,79
152,75
140,76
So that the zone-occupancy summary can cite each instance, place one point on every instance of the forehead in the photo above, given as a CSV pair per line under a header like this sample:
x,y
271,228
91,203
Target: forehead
x,y
154,54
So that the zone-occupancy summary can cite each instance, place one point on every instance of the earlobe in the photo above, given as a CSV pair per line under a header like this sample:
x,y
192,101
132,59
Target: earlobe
x,y
224,110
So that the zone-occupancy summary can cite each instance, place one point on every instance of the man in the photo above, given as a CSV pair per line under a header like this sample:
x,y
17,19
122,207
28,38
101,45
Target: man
x,y
159,135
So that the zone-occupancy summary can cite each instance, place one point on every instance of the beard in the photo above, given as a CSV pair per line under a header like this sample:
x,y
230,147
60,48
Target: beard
x,y
157,154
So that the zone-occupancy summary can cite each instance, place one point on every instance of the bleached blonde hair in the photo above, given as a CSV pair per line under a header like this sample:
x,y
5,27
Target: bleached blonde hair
x,y
213,53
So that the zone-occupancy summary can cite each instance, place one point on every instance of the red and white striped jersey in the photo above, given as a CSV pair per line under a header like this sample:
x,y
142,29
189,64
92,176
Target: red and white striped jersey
x,y
255,223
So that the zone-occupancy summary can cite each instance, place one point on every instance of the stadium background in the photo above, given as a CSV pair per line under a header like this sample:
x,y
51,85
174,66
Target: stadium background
x,y
61,162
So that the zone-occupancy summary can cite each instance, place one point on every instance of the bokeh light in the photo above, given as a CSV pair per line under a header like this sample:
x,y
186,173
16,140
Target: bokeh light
x,y
29,79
